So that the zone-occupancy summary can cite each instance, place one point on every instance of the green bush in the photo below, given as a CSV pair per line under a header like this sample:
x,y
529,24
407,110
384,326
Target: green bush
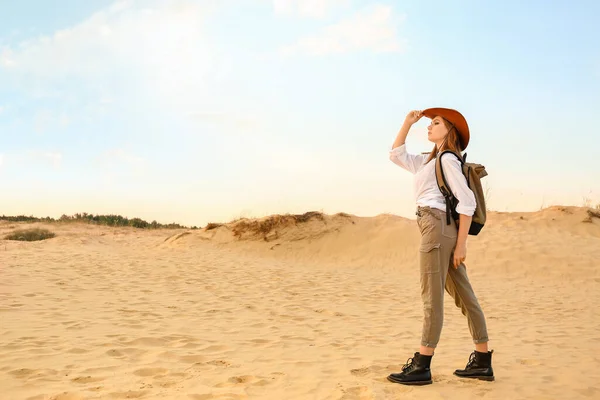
x,y
109,220
30,235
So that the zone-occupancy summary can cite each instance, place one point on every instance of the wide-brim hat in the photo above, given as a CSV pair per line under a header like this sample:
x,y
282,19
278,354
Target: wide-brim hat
x,y
455,118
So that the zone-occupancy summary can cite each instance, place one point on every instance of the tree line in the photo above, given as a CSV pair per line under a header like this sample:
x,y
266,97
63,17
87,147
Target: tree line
x,y
109,220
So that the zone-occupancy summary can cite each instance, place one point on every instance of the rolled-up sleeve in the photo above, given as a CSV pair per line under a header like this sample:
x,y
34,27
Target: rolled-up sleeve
x,y
409,162
458,185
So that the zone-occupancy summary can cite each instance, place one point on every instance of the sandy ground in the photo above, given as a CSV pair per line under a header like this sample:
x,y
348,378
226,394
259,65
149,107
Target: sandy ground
x,y
325,309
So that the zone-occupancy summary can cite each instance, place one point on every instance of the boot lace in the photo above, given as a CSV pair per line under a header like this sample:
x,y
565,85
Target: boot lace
x,y
408,366
471,360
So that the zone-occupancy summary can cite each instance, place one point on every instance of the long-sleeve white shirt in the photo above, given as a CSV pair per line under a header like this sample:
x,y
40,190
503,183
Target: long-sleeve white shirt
x,y
427,192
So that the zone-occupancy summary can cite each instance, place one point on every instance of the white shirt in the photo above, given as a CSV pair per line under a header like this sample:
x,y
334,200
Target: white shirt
x,y
427,192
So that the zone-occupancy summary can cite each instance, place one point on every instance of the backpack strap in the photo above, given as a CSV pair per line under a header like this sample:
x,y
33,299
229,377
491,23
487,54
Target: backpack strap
x,y
444,187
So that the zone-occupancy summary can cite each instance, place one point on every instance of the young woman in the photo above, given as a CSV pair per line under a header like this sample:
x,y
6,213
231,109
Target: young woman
x,y
443,247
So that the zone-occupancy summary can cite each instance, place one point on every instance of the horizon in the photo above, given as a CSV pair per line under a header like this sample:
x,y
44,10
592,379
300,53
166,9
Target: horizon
x,y
85,217
159,111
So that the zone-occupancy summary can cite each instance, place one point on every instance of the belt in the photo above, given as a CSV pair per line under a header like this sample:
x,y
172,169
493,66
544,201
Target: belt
x,y
420,209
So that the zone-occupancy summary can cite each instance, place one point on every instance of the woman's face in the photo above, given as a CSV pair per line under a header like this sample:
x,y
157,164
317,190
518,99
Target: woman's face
x,y
437,131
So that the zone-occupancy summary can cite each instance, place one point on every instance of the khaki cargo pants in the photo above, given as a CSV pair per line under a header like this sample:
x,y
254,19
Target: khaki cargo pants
x,y
438,273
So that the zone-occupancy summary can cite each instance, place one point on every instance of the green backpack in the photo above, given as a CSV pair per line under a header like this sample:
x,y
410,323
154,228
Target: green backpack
x,y
473,172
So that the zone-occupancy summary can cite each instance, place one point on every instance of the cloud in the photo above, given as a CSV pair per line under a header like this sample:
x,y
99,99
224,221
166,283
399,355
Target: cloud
x,y
1,109
45,120
41,120
49,158
151,52
32,157
54,158
121,36
231,121
119,158
306,8
6,59
370,29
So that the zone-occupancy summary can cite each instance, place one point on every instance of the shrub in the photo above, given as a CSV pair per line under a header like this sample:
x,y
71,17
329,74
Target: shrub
x,y
212,225
266,225
593,214
30,235
109,220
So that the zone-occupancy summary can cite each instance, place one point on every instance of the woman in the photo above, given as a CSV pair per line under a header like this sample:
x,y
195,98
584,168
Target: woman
x,y
443,247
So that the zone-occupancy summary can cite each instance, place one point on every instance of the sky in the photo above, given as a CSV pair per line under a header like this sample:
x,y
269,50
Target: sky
x,y
203,111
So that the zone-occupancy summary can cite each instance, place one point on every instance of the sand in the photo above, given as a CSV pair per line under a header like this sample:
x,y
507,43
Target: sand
x,y
324,309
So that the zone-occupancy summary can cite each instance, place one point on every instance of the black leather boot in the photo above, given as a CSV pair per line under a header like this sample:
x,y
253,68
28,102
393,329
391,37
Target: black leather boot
x,y
478,367
416,371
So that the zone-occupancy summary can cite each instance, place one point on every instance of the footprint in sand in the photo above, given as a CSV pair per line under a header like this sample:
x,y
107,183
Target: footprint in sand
x,y
222,363
589,392
328,312
359,371
131,394
251,380
150,371
228,396
67,396
23,372
451,380
115,353
190,345
260,341
529,362
76,350
357,392
548,379
99,370
300,338
133,352
237,380
147,341
373,369
86,379
193,359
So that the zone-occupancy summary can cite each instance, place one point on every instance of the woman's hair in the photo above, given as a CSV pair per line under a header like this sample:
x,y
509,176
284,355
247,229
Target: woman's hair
x,y
451,142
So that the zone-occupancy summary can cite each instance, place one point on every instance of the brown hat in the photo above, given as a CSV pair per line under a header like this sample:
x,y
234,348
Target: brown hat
x,y
455,118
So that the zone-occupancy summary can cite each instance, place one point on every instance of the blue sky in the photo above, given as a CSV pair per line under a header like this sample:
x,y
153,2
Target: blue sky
x,y
199,111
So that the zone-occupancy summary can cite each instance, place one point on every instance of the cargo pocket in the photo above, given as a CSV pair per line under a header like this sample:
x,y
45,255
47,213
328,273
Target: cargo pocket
x,y
430,258
449,231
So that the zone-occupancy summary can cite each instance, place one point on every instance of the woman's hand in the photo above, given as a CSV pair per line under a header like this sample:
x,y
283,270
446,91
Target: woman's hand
x,y
460,250
410,119
460,254
413,117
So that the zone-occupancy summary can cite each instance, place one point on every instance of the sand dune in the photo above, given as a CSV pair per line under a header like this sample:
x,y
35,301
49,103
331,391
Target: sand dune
x,y
318,309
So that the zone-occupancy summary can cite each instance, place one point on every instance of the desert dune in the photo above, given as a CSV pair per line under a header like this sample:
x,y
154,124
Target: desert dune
x,y
307,307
